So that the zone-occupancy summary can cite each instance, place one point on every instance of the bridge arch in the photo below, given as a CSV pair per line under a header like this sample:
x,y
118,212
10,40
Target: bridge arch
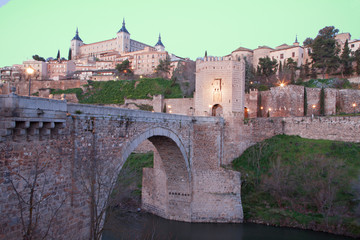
x,y
167,187
150,134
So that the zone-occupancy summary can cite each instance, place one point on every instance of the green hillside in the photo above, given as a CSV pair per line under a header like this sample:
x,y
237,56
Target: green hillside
x,y
313,184
114,92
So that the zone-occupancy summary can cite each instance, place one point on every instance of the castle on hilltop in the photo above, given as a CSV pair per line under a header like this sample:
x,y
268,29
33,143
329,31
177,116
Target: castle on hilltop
x,y
120,45
103,56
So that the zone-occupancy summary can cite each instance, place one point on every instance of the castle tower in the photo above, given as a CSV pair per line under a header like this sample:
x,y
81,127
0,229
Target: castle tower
x,y
123,39
159,46
220,87
76,43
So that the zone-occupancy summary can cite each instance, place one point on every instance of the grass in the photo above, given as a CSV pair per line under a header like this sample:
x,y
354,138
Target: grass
x,y
115,92
288,180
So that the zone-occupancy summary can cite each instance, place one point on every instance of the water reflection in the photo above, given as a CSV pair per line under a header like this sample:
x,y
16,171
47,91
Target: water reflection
x,y
132,225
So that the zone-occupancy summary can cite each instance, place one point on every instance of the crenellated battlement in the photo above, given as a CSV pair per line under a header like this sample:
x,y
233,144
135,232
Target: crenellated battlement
x,y
214,59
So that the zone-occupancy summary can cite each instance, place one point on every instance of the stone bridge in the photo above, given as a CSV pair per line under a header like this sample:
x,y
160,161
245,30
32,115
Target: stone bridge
x,y
77,151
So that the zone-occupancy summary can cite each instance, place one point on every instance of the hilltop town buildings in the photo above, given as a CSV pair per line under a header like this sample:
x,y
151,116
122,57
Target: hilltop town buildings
x,y
300,54
97,61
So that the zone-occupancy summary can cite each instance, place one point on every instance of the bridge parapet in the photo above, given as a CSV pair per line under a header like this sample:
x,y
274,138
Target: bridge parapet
x,y
107,112
30,118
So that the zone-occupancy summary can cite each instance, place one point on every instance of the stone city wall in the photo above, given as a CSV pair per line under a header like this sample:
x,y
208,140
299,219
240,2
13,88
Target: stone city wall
x,y
329,127
22,87
288,101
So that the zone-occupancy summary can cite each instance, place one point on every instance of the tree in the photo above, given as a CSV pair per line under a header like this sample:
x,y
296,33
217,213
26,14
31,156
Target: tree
x,y
325,50
305,102
357,60
249,74
306,69
69,55
322,102
124,68
259,105
34,199
38,58
313,73
58,55
267,67
307,42
164,67
184,75
346,60
280,68
291,65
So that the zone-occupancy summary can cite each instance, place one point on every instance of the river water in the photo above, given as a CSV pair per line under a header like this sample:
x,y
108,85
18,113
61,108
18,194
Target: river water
x,y
133,225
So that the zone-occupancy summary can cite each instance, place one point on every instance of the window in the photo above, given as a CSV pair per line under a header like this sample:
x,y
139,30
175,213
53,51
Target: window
x,y
352,45
293,54
282,56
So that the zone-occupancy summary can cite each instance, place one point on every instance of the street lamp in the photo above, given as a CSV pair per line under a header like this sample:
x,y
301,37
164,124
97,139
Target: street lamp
x,y
354,106
30,71
312,113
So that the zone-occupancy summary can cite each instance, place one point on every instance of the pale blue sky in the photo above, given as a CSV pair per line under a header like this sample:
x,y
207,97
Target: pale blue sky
x,y
3,2
187,27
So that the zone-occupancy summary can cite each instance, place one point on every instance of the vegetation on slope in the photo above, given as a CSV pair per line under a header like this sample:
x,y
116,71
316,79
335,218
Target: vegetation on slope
x,y
328,83
114,92
129,184
291,181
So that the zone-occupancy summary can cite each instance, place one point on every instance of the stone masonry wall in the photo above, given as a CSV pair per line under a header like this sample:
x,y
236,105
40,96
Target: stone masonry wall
x,y
330,128
22,87
288,101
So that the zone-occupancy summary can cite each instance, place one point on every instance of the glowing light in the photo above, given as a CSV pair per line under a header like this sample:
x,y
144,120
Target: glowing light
x,y
261,108
313,106
169,106
251,82
210,106
269,109
282,84
170,111
354,104
248,110
141,76
30,70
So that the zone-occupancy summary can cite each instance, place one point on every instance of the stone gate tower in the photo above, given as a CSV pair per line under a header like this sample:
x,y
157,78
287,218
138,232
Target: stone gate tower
x,y
220,87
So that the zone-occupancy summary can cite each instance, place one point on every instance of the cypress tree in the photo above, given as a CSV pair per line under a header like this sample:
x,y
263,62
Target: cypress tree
x,y
305,102
346,60
357,59
322,102
280,67
58,55
69,55
259,112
